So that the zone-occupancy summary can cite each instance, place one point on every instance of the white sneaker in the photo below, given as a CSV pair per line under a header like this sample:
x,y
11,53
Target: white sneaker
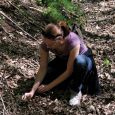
x,y
75,98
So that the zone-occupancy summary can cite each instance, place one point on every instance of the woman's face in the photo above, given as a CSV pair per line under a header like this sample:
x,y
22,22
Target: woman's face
x,y
53,44
56,42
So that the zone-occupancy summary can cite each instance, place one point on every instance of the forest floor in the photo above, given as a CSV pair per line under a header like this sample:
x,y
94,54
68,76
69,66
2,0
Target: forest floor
x,y
19,61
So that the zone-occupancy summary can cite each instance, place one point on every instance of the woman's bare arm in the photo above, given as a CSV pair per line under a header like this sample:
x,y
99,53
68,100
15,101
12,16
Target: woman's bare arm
x,y
42,70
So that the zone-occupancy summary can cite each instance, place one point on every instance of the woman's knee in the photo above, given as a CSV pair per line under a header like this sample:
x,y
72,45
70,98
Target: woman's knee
x,y
83,61
80,60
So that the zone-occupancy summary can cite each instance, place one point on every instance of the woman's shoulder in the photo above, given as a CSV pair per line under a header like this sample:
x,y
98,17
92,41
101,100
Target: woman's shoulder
x,y
72,37
72,40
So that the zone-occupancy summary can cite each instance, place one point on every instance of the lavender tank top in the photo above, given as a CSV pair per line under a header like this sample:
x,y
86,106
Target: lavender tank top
x,y
71,41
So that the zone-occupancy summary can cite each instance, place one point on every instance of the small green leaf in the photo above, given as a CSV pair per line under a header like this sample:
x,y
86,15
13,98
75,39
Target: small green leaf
x,y
106,62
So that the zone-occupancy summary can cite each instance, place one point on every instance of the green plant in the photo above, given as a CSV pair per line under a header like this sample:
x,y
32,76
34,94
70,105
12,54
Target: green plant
x,y
106,62
63,10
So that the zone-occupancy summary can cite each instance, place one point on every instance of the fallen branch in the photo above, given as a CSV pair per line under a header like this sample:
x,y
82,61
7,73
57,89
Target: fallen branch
x,y
27,34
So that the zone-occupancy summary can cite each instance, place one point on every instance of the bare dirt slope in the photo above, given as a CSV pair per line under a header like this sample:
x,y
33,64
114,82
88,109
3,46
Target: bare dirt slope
x,y
19,62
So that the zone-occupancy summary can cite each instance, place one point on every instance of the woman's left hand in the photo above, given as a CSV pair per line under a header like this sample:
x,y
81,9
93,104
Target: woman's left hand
x,y
43,88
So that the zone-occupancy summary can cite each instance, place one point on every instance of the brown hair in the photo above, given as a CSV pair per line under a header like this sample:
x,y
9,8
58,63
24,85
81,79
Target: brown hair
x,y
63,25
50,30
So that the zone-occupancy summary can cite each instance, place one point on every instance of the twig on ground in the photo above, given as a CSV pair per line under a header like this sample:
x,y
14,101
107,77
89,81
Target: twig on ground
x,y
36,9
4,107
9,2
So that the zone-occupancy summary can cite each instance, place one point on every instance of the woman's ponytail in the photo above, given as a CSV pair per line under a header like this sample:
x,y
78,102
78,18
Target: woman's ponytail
x,y
65,29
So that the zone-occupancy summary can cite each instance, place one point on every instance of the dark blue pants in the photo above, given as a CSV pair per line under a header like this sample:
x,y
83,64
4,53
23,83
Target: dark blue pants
x,y
81,78
82,66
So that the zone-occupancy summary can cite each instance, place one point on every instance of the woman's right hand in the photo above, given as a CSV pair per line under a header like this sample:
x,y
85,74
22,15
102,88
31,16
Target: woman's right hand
x,y
28,96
